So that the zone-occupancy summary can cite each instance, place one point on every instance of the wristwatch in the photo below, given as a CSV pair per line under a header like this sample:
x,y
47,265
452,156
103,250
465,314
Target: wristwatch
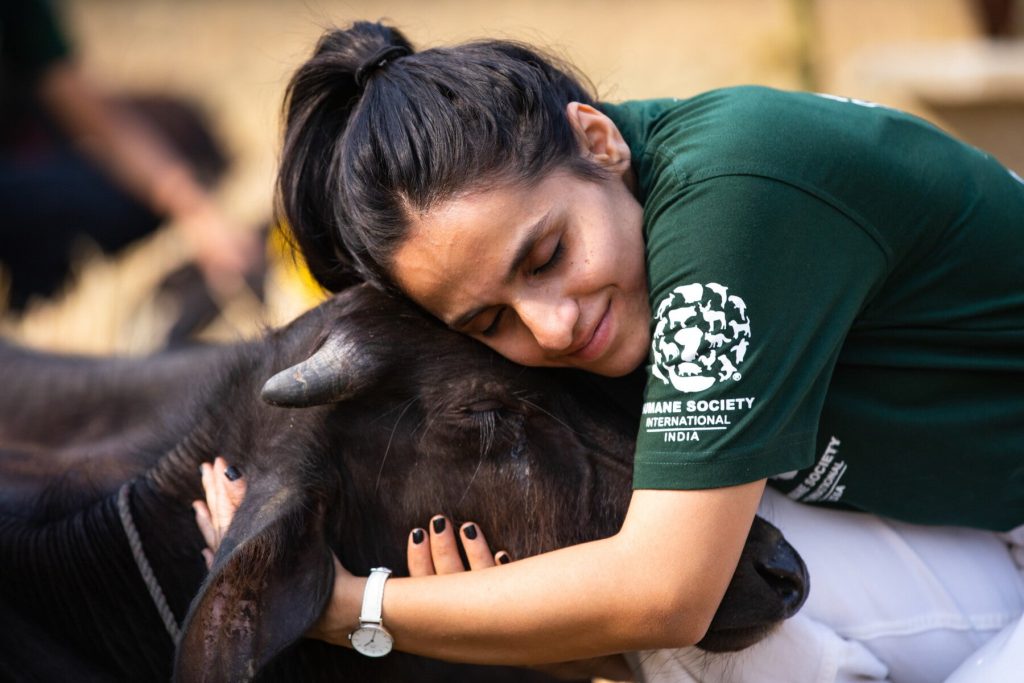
x,y
371,638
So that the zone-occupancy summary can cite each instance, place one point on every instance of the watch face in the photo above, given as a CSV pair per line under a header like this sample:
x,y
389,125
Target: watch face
x,y
372,641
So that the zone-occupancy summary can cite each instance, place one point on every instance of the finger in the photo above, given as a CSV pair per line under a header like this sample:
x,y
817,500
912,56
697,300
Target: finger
x,y
229,493
206,477
418,554
209,484
205,524
502,557
210,489
477,551
443,548
208,557
221,507
235,487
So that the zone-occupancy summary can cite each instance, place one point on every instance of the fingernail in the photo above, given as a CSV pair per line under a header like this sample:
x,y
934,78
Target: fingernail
x,y
503,558
417,536
439,525
469,531
232,473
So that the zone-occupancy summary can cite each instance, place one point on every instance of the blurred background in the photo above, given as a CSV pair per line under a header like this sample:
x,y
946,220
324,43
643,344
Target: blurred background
x,y
959,63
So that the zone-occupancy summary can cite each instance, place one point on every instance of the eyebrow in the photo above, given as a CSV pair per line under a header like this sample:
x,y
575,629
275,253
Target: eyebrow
x,y
522,252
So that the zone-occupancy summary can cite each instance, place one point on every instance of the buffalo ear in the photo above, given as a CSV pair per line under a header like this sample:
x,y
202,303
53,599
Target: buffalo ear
x,y
271,579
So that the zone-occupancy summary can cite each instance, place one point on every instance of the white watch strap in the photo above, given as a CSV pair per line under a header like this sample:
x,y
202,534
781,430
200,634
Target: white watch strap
x,y
373,595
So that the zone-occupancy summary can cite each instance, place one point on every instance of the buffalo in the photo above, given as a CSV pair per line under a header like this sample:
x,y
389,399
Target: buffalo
x,y
374,418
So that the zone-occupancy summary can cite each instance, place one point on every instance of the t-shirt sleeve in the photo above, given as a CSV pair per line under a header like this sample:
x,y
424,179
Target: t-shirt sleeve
x,y
754,285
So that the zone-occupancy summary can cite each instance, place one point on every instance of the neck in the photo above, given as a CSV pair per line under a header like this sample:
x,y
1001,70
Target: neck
x,y
629,177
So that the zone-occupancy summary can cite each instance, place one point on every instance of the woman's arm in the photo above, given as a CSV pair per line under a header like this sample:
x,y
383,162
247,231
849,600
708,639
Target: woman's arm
x,y
657,583
435,550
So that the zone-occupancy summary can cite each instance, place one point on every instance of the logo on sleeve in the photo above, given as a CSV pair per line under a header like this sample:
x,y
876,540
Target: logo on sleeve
x,y
701,336
822,482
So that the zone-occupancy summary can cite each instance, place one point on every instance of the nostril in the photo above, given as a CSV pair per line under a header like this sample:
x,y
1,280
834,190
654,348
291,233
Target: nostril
x,y
787,577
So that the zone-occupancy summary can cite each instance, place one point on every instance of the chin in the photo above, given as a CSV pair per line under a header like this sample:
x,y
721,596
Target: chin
x,y
618,367
626,361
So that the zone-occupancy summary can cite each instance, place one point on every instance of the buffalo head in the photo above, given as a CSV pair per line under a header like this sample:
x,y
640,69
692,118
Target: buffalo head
x,y
377,417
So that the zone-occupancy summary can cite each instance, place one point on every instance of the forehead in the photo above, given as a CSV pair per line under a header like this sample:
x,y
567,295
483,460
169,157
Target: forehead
x,y
457,254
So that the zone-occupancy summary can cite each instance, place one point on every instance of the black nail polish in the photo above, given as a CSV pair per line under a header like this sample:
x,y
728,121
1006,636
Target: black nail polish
x,y
504,559
233,473
439,525
470,531
417,536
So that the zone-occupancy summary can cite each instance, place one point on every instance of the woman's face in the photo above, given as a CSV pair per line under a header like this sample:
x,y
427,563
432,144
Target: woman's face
x,y
550,274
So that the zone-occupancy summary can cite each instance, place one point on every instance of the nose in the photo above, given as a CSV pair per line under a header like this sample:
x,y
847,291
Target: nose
x,y
550,319
786,574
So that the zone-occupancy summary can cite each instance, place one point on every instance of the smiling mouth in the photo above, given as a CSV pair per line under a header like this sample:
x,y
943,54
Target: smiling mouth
x,y
598,340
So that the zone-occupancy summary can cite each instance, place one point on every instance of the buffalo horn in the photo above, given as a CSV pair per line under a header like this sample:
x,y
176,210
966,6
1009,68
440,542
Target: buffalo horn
x,y
337,371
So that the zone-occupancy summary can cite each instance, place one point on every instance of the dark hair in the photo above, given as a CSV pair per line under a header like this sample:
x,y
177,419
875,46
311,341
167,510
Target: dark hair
x,y
358,162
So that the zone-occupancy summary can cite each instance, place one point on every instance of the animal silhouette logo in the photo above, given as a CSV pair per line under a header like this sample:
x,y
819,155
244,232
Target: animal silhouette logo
x,y
701,337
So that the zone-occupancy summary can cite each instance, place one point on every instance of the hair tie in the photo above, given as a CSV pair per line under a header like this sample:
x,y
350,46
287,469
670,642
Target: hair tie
x,y
378,60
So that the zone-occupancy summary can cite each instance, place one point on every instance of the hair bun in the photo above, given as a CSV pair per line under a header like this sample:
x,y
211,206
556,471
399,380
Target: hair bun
x,y
378,60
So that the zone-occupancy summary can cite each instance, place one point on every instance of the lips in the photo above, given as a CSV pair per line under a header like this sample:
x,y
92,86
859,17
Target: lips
x,y
597,341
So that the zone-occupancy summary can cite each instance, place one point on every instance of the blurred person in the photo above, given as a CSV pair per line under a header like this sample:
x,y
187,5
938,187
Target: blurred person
x,y
75,162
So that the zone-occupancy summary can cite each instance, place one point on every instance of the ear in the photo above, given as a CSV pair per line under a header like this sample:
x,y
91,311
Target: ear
x,y
271,580
599,137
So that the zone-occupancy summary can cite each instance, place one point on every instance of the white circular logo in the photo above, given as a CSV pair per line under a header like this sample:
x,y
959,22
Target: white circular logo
x,y
701,336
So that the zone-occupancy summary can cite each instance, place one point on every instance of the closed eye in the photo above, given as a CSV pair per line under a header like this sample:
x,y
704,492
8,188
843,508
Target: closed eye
x,y
492,329
555,257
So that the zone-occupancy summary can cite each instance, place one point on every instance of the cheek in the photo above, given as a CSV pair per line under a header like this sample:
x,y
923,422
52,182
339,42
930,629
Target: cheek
x,y
639,346
512,347
523,350
634,265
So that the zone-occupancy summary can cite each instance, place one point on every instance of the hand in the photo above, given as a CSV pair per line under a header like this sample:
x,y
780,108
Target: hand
x,y
435,550
428,553
223,496
213,516
223,252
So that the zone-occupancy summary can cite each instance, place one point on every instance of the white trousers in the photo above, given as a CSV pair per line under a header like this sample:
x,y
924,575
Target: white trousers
x,y
888,602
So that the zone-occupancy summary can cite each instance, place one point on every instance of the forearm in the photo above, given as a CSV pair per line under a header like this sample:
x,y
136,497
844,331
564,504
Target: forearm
x,y
515,615
650,586
125,147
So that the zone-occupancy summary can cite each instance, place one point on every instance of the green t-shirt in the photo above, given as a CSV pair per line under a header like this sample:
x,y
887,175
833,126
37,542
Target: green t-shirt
x,y
837,293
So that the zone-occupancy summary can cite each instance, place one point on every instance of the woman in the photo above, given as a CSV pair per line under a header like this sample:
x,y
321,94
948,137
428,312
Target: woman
x,y
828,292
